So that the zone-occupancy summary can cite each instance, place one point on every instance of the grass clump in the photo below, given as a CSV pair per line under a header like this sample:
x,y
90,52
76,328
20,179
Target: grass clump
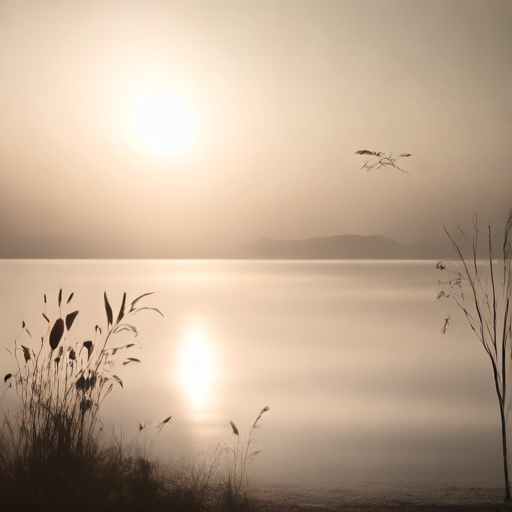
x,y
240,458
53,455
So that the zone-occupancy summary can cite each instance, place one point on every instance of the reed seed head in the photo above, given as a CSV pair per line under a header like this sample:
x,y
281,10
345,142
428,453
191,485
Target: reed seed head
x,y
234,427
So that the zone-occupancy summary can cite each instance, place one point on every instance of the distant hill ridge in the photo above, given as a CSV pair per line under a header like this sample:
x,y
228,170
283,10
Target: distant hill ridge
x,y
334,247
348,247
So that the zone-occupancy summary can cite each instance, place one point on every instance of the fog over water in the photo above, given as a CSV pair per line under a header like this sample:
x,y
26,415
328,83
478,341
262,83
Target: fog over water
x,y
278,96
234,129
348,355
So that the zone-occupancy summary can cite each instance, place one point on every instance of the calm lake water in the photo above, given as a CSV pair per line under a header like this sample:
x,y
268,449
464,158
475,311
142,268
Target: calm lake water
x,y
348,355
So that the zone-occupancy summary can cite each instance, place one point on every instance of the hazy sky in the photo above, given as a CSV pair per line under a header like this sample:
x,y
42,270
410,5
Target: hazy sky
x,y
274,98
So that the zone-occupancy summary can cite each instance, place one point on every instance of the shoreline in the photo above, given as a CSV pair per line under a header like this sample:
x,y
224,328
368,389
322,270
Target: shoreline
x,y
384,506
365,507
393,497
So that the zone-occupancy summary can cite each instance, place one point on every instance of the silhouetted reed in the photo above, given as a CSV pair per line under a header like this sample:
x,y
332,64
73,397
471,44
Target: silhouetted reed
x,y
483,291
51,454
240,458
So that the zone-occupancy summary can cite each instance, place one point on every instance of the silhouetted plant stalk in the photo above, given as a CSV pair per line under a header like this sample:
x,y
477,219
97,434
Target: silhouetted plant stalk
x,y
484,296
241,459
61,385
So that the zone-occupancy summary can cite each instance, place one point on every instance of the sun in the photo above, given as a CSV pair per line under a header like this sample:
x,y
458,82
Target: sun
x,y
163,124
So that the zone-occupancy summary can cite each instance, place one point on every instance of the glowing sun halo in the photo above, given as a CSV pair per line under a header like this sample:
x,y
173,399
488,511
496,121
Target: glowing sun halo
x,y
164,126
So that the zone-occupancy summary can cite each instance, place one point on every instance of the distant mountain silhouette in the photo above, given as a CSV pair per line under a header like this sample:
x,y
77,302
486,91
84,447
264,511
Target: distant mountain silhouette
x,y
335,247
348,247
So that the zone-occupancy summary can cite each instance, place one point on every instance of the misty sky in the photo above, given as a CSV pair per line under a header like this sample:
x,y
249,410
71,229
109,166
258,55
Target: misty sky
x,y
275,96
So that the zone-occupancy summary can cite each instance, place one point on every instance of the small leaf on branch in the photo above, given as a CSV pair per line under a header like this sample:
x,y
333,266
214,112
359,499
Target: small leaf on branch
x,y
108,391
150,309
121,311
131,360
26,353
127,327
85,405
89,346
80,383
56,334
137,300
108,309
70,319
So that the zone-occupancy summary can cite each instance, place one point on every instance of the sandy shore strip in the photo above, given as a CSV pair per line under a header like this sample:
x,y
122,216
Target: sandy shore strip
x,y
373,507
416,498
262,506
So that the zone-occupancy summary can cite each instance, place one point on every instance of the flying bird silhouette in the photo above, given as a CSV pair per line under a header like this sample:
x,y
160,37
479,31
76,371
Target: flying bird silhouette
x,y
379,159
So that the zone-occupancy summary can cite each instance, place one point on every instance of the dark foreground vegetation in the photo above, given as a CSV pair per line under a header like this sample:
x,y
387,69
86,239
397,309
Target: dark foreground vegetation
x,y
53,453
109,478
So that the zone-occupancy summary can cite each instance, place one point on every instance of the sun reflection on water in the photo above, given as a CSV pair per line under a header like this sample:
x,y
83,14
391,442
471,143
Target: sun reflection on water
x,y
196,365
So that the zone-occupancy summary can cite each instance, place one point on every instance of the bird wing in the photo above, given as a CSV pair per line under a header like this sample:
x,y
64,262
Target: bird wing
x,y
366,152
374,155
382,161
